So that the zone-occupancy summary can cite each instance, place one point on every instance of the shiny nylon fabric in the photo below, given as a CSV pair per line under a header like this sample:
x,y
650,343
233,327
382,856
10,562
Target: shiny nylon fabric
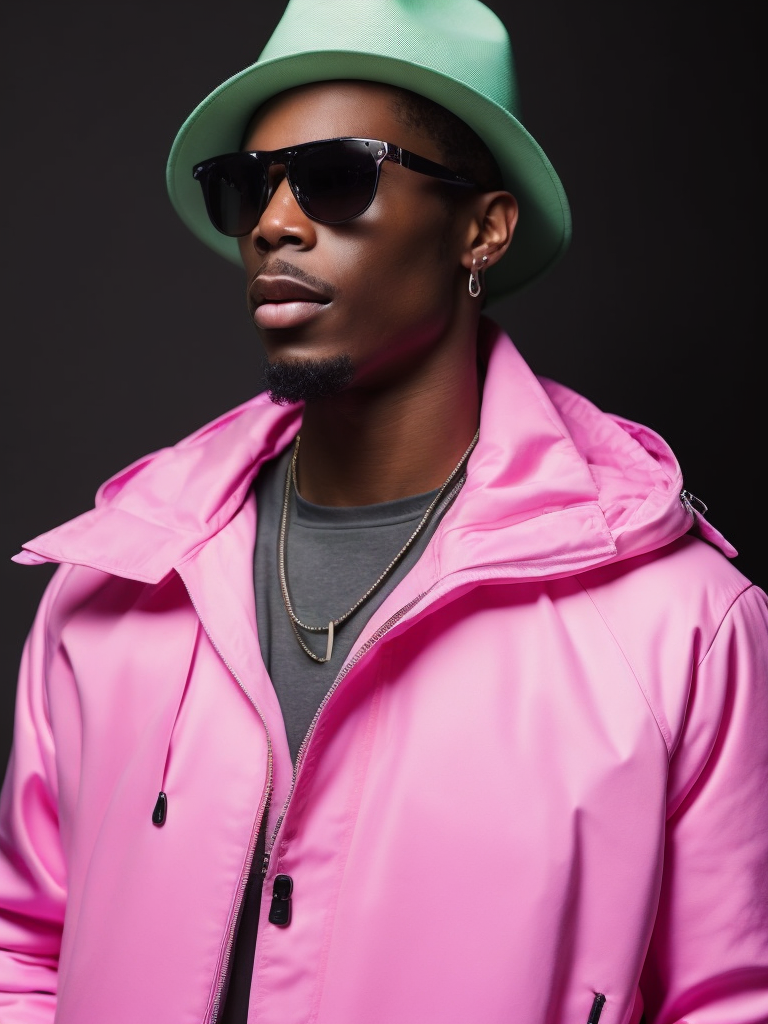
x,y
544,779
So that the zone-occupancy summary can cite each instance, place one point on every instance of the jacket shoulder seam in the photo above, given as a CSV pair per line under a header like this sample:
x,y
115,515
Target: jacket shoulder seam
x,y
726,613
658,719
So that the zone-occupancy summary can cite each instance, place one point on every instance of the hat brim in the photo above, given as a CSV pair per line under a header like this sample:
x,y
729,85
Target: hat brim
x,y
217,125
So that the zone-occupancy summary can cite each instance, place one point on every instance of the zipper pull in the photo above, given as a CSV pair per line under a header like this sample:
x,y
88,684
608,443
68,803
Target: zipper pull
x,y
692,504
597,1008
161,809
280,911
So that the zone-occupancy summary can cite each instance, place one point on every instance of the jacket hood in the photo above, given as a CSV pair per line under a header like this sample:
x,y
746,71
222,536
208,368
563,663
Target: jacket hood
x,y
554,486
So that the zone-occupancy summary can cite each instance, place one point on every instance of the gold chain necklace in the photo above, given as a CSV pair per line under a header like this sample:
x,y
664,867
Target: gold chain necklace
x,y
290,478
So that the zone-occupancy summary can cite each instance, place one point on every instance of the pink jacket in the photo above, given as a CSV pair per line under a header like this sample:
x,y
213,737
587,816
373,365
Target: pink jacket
x,y
540,780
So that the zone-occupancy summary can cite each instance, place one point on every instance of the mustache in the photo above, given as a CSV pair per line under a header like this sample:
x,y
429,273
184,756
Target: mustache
x,y
281,268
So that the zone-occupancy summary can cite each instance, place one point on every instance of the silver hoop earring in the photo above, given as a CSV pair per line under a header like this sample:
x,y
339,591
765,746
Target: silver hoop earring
x,y
475,280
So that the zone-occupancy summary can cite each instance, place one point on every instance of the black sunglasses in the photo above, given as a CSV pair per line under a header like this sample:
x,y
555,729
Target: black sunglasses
x,y
333,180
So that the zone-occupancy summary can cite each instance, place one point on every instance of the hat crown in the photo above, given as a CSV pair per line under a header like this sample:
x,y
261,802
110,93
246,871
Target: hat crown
x,y
462,39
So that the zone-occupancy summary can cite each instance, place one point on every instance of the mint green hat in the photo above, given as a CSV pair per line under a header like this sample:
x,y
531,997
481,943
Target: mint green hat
x,y
455,52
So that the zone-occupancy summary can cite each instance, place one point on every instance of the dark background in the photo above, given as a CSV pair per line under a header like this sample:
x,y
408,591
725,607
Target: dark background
x,y
122,333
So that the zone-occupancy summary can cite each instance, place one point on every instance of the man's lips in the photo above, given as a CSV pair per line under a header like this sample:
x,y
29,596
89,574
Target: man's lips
x,y
284,301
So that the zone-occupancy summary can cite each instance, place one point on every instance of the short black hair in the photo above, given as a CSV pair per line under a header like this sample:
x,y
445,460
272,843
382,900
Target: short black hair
x,y
461,148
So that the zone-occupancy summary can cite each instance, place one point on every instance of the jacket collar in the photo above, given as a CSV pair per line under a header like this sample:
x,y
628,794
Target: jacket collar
x,y
154,514
554,486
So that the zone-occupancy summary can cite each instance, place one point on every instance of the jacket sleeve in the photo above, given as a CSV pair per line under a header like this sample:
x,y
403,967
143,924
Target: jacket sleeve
x,y
32,871
708,958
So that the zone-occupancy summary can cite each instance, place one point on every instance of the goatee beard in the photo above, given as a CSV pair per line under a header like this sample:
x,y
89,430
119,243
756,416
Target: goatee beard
x,y
301,380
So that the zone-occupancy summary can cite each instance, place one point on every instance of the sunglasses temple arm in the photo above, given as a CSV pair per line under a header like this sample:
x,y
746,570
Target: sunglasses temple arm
x,y
424,166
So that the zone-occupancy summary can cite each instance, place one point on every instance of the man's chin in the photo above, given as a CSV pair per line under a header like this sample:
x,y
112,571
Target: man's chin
x,y
302,380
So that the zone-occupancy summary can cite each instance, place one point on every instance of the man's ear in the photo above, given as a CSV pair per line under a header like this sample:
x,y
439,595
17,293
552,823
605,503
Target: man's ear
x,y
491,229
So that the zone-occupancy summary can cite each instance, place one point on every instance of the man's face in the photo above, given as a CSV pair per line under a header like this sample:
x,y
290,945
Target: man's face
x,y
389,279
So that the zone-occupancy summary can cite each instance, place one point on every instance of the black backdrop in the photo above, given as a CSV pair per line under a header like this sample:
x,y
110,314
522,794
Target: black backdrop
x,y
122,333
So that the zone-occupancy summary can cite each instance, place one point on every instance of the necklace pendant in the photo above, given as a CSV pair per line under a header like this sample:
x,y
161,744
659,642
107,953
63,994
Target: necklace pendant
x,y
290,479
329,648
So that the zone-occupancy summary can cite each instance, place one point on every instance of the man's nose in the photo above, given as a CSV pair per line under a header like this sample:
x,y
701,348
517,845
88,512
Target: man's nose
x,y
283,222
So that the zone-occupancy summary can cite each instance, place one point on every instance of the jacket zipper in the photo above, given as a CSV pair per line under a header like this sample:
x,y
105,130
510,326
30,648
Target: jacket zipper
x,y
270,845
346,669
223,965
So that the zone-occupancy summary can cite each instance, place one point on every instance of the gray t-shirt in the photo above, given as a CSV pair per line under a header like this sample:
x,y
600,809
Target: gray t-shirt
x,y
333,555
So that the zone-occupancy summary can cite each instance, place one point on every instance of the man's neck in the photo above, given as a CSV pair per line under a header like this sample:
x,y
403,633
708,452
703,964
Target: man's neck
x,y
370,445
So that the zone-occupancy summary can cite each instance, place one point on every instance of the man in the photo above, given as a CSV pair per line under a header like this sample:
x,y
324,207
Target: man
x,y
413,695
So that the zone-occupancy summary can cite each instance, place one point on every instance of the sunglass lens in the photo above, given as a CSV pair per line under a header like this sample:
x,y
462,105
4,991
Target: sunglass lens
x,y
335,181
234,192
